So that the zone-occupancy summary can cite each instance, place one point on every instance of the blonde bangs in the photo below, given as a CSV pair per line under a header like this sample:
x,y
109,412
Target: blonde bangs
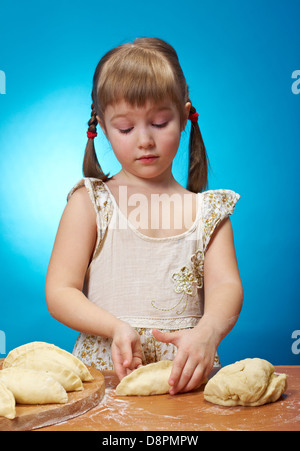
x,y
137,75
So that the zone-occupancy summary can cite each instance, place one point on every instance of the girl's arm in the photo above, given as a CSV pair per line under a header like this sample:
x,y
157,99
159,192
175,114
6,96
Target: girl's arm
x,y
223,296
223,290
71,255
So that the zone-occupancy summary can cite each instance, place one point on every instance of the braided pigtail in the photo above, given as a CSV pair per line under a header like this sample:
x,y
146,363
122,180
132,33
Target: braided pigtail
x,y
91,166
198,160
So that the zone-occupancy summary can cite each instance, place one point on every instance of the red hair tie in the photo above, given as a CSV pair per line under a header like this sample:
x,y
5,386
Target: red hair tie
x,y
193,117
91,135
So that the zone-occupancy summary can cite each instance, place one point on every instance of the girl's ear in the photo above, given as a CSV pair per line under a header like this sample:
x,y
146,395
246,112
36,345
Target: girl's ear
x,y
102,125
187,108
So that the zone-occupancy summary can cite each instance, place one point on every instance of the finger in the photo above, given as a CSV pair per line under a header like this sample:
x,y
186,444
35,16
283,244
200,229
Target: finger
x,y
122,358
119,368
178,365
136,362
129,370
199,377
127,358
186,374
164,337
195,380
137,355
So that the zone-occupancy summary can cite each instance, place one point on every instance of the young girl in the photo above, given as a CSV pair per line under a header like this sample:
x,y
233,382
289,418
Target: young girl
x,y
144,268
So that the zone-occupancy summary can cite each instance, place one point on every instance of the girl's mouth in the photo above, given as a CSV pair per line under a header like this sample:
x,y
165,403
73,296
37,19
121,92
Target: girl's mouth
x,y
148,158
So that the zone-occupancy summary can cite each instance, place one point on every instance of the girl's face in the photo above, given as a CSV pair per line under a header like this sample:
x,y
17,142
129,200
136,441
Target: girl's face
x,y
144,139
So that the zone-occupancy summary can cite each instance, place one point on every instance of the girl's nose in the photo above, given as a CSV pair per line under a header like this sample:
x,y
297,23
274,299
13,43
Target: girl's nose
x,y
145,139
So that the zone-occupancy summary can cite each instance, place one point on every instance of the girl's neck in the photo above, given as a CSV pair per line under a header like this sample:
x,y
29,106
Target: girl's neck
x,y
162,204
163,183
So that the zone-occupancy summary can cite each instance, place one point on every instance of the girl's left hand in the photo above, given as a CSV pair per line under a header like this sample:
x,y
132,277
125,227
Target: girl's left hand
x,y
196,349
126,350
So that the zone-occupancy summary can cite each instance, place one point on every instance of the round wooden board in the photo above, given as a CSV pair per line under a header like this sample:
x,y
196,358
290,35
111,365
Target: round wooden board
x,y
29,417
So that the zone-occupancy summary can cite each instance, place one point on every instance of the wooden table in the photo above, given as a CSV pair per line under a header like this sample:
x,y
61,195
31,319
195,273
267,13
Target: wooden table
x,y
187,412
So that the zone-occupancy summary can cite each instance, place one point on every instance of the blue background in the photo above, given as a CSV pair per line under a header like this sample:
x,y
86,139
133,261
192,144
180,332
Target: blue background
x,y
238,57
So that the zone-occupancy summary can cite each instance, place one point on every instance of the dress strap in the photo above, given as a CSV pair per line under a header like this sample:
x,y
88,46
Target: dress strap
x,y
103,205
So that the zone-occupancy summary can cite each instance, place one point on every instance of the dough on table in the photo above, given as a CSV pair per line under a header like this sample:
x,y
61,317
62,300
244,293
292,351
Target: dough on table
x,y
151,379
37,350
7,403
248,382
33,387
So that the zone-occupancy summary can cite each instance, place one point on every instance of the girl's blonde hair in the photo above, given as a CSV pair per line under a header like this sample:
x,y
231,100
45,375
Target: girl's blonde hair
x,y
147,69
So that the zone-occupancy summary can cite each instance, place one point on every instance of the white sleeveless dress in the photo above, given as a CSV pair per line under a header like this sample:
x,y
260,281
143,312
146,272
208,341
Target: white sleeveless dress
x,y
147,282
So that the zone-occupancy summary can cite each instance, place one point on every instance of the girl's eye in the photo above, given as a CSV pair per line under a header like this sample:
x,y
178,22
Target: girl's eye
x,y
125,131
164,124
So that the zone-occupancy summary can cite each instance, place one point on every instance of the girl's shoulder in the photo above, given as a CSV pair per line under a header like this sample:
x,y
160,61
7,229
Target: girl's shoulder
x,y
216,206
94,187
96,193
222,200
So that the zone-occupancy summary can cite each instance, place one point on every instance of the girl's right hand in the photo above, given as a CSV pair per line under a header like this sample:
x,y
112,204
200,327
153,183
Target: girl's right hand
x,y
126,350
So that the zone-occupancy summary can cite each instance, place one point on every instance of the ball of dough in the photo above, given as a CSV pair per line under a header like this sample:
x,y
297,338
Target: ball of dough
x,y
248,382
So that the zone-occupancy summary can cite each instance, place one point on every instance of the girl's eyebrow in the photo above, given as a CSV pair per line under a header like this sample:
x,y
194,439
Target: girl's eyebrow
x,y
128,113
117,116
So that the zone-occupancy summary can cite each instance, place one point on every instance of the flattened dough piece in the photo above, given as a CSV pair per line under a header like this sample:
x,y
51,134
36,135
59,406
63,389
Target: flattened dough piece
x,y
248,382
147,380
38,350
33,387
7,403
66,377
